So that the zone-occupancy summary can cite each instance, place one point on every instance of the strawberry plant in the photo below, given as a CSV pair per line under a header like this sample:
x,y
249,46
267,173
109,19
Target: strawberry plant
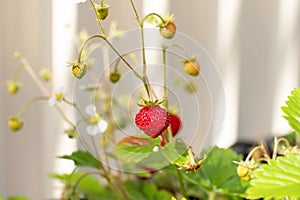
x,y
131,144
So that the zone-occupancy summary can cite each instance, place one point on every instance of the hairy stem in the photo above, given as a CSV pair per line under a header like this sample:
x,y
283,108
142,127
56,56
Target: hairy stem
x,y
98,20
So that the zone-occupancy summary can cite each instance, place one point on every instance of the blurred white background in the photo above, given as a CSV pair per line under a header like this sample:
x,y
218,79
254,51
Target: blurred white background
x,y
254,43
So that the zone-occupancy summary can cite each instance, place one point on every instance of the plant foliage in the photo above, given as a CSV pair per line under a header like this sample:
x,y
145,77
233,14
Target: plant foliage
x,y
292,110
218,173
83,159
278,179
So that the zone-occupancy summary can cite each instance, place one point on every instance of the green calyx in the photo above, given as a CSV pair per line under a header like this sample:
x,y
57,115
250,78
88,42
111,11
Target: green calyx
x,y
146,103
190,59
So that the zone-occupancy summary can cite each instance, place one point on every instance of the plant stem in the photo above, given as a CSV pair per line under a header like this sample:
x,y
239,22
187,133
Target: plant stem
x,y
16,74
75,106
179,47
45,91
113,48
105,172
29,103
155,14
276,145
297,139
145,78
34,77
181,183
165,98
135,11
211,195
98,20
81,178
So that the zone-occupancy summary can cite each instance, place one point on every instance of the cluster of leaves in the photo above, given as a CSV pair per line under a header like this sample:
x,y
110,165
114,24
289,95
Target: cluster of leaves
x,y
217,178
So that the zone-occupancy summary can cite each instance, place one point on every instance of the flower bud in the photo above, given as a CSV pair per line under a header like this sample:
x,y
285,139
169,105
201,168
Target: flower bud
x,y
46,74
17,55
15,123
13,86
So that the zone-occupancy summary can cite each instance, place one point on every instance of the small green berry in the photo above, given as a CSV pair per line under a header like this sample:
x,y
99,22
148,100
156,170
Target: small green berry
x,y
15,123
102,11
191,67
114,76
13,86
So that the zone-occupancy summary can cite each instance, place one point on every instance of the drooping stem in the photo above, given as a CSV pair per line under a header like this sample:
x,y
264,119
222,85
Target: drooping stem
x,y
154,14
260,147
29,103
178,47
113,48
276,145
98,20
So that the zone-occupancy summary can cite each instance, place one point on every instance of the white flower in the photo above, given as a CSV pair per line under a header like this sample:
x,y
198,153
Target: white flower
x,y
80,1
95,122
58,96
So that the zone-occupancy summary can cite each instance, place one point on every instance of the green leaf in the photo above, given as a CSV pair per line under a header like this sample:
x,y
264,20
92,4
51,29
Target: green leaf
x,y
133,149
218,173
278,179
292,110
83,159
88,184
145,191
17,198
176,152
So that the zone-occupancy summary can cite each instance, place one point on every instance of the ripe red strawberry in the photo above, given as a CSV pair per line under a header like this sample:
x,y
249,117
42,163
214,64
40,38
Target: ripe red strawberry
x,y
152,120
175,124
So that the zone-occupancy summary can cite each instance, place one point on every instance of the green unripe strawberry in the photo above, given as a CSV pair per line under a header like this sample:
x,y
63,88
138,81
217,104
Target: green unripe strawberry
x,y
114,76
242,171
79,70
168,30
102,11
191,67
15,123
